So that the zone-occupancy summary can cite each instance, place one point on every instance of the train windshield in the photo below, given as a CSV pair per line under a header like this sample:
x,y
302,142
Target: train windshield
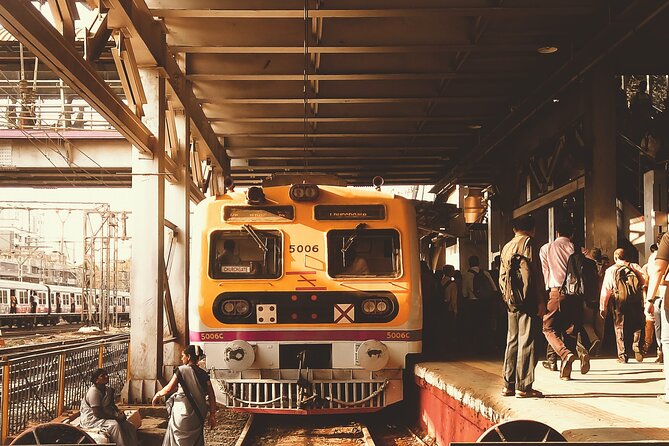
x,y
364,252
247,253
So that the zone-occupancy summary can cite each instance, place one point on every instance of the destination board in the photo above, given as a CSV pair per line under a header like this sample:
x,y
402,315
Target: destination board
x,y
350,212
244,269
258,213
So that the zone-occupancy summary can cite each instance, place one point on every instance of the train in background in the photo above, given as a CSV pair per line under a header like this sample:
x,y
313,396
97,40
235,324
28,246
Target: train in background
x,y
305,295
52,302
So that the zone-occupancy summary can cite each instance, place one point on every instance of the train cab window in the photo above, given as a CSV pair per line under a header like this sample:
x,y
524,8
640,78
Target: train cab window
x,y
364,253
248,253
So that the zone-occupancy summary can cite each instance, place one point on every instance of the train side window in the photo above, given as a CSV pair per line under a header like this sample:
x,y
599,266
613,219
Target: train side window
x,y
4,297
364,253
246,253
22,296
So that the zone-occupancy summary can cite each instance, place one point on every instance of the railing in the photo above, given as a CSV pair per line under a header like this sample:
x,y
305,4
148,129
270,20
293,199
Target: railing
x,y
38,388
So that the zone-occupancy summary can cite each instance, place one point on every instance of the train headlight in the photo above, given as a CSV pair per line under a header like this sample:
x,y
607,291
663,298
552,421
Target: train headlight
x,y
368,307
304,192
236,307
242,307
239,355
378,306
373,355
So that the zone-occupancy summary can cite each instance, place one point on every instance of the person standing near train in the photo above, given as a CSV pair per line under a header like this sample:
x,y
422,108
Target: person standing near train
x,y
524,318
187,407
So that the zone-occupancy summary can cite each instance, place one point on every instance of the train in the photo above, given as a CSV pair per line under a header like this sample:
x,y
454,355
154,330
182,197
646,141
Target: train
x,y
305,295
52,303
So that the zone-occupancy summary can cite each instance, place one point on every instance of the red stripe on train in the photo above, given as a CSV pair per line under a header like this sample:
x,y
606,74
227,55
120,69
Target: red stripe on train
x,y
295,335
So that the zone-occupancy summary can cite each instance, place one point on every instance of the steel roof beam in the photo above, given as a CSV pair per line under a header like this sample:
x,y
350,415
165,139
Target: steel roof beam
x,y
396,49
272,101
148,40
348,135
355,76
321,119
620,28
237,13
29,26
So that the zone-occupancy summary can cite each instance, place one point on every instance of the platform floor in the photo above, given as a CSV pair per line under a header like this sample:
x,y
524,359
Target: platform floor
x,y
613,402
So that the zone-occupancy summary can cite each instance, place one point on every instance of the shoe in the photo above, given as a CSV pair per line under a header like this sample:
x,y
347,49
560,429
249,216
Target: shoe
x,y
660,358
622,359
507,391
638,355
565,367
585,363
594,347
550,365
529,393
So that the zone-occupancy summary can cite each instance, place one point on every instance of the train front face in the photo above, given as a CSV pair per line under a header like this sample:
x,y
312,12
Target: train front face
x,y
306,306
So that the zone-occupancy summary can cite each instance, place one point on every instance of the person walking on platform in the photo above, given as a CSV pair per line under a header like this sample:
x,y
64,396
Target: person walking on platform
x,y
653,324
192,396
560,324
522,286
624,281
657,271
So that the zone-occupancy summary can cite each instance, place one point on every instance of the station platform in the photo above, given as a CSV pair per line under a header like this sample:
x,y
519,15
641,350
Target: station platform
x,y
459,400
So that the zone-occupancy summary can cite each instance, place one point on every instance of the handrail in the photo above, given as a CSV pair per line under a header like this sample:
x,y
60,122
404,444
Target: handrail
x,y
37,387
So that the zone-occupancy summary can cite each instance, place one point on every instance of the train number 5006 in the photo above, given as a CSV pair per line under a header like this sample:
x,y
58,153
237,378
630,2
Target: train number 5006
x,y
303,248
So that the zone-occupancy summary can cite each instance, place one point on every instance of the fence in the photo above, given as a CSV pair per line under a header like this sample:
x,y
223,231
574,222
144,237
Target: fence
x,y
37,388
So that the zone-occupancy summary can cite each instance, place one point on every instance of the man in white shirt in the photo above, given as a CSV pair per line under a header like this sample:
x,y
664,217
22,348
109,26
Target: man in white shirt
x,y
561,312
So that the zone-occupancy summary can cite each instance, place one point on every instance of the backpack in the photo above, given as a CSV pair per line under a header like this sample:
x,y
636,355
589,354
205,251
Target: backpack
x,y
581,279
482,286
627,285
516,284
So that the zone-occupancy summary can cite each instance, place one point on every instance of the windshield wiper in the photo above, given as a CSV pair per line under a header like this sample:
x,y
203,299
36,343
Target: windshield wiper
x,y
254,235
349,241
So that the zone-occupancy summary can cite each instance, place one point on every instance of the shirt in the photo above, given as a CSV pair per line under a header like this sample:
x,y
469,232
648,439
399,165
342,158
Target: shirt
x,y
537,282
609,283
468,283
554,257
450,294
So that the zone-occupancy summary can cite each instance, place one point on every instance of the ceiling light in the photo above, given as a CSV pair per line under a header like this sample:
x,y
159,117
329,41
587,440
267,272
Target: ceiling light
x,y
475,126
548,49
556,100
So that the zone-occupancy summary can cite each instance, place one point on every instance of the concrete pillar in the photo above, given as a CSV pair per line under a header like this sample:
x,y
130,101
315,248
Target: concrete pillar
x,y
600,180
654,206
177,210
147,273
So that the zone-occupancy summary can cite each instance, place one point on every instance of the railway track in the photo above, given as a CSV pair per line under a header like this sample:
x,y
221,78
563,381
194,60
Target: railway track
x,y
9,353
276,430
31,332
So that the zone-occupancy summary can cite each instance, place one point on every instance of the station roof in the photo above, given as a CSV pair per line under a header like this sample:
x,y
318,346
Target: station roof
x,y
417,91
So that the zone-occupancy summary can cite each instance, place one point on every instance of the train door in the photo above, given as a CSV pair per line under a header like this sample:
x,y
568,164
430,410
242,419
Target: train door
x,y
4,301
23,298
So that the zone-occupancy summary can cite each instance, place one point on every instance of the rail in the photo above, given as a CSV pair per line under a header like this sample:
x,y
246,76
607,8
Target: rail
x,y
39,386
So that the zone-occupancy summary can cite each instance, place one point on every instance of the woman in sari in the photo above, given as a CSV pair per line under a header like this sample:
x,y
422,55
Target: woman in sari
x,y
189,403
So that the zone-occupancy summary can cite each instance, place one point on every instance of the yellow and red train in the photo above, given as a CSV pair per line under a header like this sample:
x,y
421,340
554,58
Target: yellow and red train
x,y
305,297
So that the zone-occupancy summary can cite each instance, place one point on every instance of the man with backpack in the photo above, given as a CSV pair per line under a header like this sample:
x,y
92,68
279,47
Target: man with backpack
x,y
624,281
563,311
522,286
